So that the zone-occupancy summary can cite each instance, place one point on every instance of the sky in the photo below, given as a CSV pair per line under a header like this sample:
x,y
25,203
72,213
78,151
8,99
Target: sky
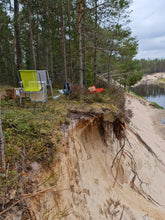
x,y
148,25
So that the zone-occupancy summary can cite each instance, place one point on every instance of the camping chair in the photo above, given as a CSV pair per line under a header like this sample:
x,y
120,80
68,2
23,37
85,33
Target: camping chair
x,y
31,85
43,76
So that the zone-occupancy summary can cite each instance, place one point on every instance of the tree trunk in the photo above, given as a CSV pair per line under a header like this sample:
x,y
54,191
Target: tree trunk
x,y
31,37
95,43
2,149
37,43
12,66
70,50
109,66
79,10
60,51
63,40
17,34
46,57
50,44
84,41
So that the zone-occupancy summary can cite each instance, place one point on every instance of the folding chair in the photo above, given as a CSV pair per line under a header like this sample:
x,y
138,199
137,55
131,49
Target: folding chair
x,y
31,85
43,76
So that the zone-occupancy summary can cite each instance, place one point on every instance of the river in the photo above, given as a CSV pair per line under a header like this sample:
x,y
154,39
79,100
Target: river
x,y
152,92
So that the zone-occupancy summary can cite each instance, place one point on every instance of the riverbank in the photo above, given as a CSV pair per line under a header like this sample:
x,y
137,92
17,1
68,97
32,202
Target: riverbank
x,y
152,87
151,78
148,120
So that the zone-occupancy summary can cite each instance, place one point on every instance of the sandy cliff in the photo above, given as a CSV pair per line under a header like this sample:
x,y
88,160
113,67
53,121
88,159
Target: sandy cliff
x,y
94,185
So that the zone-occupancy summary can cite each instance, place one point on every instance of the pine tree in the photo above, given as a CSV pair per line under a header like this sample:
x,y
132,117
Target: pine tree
x,y
2,150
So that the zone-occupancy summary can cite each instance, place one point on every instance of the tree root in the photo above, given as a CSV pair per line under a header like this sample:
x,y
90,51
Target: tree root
x,y
119,130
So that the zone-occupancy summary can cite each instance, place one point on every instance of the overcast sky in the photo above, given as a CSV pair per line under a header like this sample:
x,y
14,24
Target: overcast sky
x,y
148,25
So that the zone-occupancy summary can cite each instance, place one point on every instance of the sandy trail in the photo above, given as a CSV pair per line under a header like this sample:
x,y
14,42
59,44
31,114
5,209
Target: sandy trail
x,y
147,123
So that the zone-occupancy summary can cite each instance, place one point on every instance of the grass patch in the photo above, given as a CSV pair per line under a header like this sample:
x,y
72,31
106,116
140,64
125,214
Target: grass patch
x,y
162,80
138,96
156,105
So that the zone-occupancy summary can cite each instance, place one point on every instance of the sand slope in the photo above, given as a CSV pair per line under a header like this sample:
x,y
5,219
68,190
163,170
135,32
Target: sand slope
x,y
89,188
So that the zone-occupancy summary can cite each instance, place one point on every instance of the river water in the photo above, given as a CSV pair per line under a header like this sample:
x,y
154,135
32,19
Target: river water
x,y
152,92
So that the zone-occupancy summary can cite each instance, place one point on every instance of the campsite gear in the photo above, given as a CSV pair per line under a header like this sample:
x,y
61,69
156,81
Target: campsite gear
x,y
43,76
93,89
31,85
13,93
66,88
56,97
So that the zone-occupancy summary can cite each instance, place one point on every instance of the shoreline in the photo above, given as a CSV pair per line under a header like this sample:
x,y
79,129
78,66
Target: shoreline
x,y
151,78
147,121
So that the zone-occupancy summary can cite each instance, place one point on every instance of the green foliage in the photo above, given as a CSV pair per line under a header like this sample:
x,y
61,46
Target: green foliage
x,y
150,66
46,34
133,78
156,105
7,74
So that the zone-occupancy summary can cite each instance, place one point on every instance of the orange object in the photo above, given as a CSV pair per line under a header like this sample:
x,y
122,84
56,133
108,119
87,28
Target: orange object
x,y
93,89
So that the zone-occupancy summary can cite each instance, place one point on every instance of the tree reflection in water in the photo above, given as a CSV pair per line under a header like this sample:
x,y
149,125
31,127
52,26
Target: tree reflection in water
x,y
151,92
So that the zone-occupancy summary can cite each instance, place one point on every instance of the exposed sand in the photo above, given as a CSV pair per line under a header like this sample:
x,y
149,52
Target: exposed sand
x,y
152,78
147,121
85,187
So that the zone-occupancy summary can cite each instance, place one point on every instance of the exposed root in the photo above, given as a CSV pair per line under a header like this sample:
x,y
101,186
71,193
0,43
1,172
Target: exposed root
x,y
119,130
117,170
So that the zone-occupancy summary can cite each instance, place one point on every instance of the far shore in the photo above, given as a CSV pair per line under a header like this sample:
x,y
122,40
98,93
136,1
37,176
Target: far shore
x,y
151,78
